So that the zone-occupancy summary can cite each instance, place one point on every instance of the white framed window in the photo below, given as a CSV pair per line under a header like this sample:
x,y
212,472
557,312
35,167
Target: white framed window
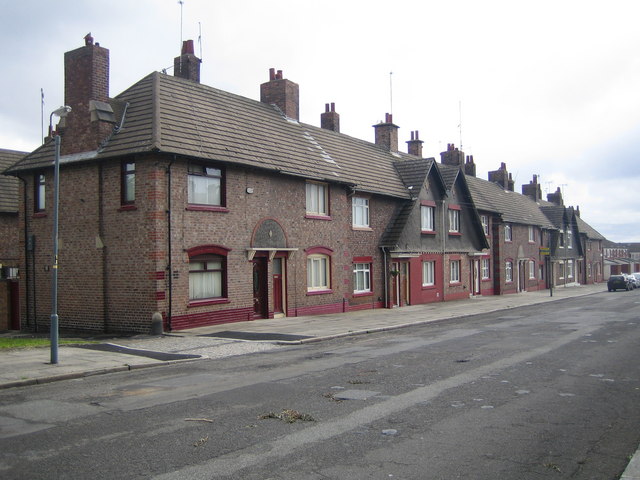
x,y
589,269
532,270
454,220
532,234
507,232
360,212
508,271
560,270
428,273
484,219
486,268
561,238
205,185
40,190
317,198
569,268
318,272
454,274
361,277
206,277
427,218
569,239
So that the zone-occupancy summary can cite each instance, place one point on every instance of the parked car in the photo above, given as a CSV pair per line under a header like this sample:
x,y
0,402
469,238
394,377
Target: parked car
x,y
632,281
617,282
637,277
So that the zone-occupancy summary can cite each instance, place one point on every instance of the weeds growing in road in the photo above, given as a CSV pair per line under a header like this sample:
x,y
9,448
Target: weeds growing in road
x,y
288,416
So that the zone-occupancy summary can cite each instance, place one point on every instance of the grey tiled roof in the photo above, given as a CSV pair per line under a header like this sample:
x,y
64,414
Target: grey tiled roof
x,y
588,230
9,185
513,207
176,116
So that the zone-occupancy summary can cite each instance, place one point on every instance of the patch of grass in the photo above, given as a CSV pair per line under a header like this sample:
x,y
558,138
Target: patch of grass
x,y
26,342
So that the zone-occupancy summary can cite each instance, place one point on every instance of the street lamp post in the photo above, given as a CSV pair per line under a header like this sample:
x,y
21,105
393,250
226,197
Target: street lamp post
x,y
60,112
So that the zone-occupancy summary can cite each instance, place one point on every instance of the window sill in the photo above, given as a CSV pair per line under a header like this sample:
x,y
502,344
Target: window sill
x,y
207,301
206,208
362,294
39,214
319,292
126,208
455,284
455,234
428,232
428,287
361,229
311,216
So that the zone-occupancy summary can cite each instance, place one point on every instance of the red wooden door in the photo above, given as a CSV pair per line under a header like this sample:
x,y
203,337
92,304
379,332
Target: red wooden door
x,y
260,299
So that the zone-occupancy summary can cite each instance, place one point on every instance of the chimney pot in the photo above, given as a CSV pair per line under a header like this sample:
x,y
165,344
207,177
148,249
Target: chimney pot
x,y
283,93
187,47
330,120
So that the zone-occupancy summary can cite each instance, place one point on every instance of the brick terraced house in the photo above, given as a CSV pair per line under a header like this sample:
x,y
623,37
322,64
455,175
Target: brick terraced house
x,y
209,207
9,243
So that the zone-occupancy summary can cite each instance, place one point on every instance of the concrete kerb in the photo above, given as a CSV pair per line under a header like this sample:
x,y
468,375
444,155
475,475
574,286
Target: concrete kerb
x,y
90,373
418,322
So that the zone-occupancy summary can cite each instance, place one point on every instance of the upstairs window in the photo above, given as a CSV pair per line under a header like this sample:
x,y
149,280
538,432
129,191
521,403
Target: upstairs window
x,y
485,224
569,239
454,220
532,234
507,232
40,191
128,183
317,199
360,212
427,218
205,185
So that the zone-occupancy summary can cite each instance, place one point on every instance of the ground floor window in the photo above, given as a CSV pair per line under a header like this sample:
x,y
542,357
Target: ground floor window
x,y
454,271
317,272
486,271
361,278
570,268
532,270
206,277
508,271
428,273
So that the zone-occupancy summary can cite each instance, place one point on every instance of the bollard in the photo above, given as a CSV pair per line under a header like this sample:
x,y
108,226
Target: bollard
x,y
156,324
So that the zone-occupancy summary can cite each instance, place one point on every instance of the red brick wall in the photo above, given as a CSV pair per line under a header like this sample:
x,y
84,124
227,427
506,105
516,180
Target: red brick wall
x,y
9,239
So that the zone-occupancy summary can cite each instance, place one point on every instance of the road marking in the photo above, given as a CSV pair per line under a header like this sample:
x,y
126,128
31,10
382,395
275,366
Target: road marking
x,y
272,451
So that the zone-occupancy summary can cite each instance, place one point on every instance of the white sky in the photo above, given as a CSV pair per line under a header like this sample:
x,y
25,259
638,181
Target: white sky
x,y
550,87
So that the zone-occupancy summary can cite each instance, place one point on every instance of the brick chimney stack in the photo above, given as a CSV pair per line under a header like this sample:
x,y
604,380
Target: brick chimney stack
x,y
452,156
387,134
470,166
556,197
533,190
502,177
187,65
282,93
330,120
415,145
86,91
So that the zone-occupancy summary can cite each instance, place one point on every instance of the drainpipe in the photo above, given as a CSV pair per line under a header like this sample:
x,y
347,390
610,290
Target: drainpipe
x,y
385,276
26,251
444,249
169,232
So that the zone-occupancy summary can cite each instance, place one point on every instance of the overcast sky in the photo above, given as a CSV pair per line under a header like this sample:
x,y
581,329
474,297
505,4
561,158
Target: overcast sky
x,y
550,87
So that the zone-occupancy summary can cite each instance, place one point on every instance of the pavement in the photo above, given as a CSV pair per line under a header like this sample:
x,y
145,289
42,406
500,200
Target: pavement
x,y
31,366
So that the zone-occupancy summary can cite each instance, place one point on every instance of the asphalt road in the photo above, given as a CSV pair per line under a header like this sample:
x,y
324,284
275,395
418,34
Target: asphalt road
x,y
550,391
